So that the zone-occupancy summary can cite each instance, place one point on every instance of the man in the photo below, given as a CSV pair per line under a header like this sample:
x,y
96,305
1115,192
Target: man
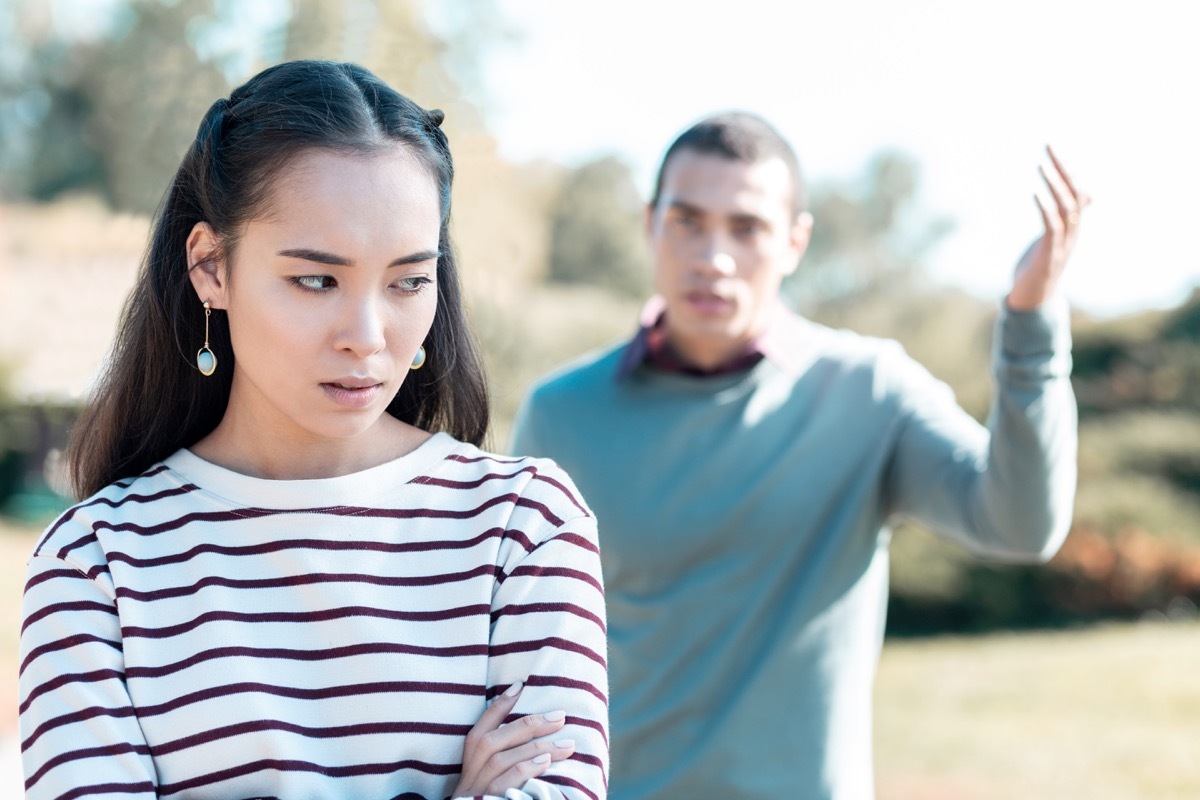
x,y
744,464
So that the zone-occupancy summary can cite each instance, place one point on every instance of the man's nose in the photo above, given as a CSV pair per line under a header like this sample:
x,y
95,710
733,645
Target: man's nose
x,y
716,255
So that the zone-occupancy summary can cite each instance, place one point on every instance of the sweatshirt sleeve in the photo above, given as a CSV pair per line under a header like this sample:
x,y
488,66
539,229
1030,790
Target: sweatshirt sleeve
x,y
1005,491
549,630
80,735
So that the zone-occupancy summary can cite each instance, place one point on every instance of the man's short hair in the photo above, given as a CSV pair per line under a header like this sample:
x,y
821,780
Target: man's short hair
x,y
737,136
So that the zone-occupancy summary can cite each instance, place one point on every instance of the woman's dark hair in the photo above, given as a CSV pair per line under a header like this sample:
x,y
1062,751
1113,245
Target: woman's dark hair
x,y
737,136
151,399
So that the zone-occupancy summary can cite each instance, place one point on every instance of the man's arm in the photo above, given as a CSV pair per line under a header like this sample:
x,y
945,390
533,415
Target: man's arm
x,y
1006,491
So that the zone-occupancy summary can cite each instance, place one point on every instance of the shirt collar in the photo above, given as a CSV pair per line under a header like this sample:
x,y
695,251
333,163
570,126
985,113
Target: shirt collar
x,y
780,344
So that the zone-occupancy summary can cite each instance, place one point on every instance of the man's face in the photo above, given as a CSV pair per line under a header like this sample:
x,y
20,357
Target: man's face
x,y
723,236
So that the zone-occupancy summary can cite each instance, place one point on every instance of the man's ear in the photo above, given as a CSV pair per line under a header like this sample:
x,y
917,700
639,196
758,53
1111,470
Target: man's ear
x,y
206,267
799,235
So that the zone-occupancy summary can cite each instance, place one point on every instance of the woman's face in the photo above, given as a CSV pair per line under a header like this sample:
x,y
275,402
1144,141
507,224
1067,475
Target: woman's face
x,y
329,294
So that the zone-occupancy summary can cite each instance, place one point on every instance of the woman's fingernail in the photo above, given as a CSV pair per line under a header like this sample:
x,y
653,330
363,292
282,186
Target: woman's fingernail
x,y
542,759
555,716
564,744
515,689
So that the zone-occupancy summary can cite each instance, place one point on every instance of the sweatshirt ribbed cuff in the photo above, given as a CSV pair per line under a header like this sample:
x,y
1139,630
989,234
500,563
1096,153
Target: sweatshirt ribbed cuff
x,y
1033,346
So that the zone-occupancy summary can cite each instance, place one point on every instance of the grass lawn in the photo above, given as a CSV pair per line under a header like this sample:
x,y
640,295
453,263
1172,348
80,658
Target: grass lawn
x,y
1101,713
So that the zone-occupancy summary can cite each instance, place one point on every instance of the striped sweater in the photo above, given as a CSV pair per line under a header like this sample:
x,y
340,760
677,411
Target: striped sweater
x,y
197,633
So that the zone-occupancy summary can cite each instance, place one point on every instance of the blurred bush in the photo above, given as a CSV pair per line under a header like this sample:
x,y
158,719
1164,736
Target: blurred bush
x,y
596,230
32,438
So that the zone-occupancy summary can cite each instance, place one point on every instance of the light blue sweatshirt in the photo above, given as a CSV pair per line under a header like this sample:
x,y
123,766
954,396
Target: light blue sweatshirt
x,y
744,530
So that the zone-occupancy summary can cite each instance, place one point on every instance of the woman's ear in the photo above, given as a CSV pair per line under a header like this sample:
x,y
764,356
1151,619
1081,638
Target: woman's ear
x,y
206,267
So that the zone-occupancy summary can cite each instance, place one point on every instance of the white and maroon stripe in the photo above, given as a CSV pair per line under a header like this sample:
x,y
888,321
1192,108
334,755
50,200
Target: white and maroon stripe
x,y
206,611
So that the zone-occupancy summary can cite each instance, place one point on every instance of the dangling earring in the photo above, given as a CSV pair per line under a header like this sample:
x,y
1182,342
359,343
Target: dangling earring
x,y
206,359
418,359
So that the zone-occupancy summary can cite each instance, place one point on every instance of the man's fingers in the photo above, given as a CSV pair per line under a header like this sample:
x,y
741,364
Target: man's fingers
x,y
1064,201
1082,199
1051,221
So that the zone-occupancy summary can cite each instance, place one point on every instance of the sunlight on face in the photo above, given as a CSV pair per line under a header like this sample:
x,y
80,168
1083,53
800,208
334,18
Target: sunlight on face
x,y
330,295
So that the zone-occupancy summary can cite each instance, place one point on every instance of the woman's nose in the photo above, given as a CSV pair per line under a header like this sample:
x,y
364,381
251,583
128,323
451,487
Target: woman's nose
x,y
362,328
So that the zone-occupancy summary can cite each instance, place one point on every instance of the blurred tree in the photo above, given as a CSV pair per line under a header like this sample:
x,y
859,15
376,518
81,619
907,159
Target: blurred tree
x,y
867,232
149,94
110,106
116,102
596,229
436,65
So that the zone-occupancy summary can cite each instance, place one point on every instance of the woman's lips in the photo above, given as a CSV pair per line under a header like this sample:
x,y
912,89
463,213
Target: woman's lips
x,y
356,395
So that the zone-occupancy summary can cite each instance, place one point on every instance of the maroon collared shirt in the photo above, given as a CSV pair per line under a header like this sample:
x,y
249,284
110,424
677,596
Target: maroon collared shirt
x,y
780,343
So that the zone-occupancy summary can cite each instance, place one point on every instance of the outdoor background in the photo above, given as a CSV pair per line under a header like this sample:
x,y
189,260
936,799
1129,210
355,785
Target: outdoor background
x,y
919,125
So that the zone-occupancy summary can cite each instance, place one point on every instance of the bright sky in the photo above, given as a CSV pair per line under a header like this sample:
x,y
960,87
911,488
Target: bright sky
x,y
972,90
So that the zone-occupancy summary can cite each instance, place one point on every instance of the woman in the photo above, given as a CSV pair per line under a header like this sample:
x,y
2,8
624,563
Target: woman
x,y
296,575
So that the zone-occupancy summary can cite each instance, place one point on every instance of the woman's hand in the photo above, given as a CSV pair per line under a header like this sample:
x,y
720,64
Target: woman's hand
x,y
498,757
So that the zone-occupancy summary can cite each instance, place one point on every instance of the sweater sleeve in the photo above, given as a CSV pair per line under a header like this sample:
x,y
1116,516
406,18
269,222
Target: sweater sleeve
x,y
1005,491
80,735
548,629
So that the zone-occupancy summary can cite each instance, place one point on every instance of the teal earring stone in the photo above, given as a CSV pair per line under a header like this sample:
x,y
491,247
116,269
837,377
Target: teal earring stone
x,y
206,361
418,359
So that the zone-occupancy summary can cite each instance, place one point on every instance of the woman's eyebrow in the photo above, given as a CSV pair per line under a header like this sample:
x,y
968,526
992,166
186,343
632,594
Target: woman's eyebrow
x,y
321,257
417,258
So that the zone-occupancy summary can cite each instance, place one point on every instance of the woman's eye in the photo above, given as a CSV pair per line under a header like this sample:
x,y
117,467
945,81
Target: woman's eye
x,y
314,283
413,283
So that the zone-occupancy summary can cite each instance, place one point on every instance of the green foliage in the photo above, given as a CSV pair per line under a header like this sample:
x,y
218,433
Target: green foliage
x,y
1184,323
113,109
1154,365
32,437
596,230
866,231
1141,469
119,108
